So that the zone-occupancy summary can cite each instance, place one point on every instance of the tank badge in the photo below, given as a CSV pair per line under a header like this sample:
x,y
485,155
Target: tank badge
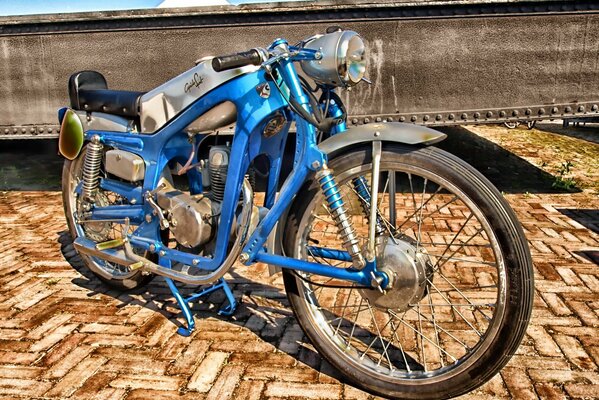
x,y
196,81
263,90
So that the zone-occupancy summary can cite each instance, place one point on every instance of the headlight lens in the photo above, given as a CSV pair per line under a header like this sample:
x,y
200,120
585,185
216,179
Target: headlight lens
x,y
343,60
352,68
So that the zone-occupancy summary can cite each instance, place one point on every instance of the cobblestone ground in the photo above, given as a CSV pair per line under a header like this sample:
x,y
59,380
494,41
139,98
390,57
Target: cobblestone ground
x,y
65,335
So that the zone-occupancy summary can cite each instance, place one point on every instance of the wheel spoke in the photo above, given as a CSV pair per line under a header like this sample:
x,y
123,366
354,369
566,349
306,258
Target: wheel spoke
x,y
455,309
435,229
420,335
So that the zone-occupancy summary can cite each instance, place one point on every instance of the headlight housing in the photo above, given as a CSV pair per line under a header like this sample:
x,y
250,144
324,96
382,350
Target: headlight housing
x,y
343,60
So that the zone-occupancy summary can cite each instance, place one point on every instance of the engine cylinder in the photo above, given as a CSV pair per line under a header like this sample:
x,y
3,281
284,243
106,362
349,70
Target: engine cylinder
x,y
218,165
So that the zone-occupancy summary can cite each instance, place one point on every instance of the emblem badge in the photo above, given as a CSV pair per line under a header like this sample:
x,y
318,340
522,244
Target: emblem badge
x,y
263,90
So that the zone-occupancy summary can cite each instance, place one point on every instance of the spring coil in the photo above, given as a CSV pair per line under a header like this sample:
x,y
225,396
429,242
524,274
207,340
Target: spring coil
x,y
91,168
340,216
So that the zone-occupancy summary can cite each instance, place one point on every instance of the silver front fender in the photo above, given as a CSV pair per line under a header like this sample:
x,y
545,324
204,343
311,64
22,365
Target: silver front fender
x,y
385,132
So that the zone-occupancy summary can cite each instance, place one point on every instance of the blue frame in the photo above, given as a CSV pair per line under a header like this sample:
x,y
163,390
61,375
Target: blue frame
x,y
171,143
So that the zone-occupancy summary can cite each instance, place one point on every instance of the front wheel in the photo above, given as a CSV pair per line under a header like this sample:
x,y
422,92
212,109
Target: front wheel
x,y
463,281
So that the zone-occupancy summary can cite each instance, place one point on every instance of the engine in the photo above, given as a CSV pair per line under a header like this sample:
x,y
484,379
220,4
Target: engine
x,y
193,218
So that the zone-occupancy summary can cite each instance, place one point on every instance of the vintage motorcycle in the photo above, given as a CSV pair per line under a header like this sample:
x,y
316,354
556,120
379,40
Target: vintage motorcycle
x,y
405,267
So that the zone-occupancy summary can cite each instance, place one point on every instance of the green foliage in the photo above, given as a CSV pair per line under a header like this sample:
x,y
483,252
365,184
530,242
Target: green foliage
x,y
561,180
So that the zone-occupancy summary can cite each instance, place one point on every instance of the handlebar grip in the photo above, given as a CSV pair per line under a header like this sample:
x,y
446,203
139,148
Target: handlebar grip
x,y
250,57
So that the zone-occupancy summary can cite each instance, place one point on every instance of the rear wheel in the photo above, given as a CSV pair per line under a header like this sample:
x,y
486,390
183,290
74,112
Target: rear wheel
x,y
463,286
114,275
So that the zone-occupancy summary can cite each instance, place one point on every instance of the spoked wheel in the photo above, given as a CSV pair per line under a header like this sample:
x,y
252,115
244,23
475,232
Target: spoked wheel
x,y
460,267
115,275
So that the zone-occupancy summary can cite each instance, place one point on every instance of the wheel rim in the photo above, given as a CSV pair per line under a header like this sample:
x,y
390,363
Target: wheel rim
x,y
95,231
446,331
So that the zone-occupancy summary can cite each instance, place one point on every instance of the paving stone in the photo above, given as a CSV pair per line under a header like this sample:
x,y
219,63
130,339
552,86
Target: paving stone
x,y
64,334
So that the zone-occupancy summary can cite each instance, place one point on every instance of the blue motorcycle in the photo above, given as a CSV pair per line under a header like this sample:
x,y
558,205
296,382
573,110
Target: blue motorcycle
x,y
405,267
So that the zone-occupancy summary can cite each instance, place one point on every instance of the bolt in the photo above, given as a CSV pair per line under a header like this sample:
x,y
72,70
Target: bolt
x,y
476,115
568,109
528,111
162,253
315,164
377,134
148,218
133,201
541,111
581,109
152,248
195,261
489,114
174,222
244,257
594,107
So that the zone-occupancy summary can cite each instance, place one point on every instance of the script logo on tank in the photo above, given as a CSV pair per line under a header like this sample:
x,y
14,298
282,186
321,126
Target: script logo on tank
x,y
196,81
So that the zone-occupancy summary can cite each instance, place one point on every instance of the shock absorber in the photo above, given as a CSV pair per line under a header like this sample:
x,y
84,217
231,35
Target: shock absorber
x,y
340,216
91,168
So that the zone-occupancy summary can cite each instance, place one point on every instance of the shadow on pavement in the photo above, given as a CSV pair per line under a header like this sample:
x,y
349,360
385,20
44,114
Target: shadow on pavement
x,y
590,133
266,306
507,171
589,218
32,164
35,164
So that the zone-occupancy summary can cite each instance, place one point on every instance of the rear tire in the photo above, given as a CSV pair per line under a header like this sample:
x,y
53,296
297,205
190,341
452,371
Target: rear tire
x,y
318,310
112,275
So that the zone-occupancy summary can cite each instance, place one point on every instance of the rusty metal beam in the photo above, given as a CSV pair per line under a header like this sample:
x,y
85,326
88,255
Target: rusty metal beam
x,y
433,63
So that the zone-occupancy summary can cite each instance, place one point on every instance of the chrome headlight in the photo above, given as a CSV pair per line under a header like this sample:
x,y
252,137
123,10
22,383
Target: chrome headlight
x,y
342,61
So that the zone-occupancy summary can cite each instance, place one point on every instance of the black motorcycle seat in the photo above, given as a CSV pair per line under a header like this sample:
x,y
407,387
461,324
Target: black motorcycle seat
x,y
89,91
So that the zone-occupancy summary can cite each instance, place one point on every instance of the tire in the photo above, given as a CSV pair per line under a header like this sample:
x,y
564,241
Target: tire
x,y
410,341
115,276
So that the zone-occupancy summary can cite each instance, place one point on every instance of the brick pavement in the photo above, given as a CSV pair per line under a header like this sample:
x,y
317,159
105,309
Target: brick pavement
x,y
65,335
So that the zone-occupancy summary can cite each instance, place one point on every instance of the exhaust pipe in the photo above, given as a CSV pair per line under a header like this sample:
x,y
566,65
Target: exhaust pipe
x,y
127,257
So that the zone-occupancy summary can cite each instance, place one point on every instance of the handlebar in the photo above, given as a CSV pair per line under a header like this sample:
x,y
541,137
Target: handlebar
x,y
250,57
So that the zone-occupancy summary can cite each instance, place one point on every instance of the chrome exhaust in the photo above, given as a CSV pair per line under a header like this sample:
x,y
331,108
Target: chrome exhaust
x,y
125,256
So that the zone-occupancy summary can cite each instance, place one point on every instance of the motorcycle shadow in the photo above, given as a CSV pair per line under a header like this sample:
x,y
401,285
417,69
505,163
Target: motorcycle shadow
x,y
263,313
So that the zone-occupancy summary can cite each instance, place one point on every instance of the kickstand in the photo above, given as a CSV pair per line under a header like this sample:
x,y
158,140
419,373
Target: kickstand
x,y
227,310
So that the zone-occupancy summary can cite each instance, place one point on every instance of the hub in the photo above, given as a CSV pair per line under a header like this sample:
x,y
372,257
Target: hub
x,y
407,270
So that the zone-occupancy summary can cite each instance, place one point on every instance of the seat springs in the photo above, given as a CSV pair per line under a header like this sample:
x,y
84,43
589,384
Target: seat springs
x,y
340,216
91,168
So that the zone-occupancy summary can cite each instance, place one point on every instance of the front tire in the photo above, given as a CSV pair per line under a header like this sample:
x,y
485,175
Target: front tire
x,y
474,307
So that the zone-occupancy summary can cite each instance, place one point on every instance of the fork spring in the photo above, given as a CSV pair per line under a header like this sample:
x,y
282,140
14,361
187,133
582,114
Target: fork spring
x,y
342,219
